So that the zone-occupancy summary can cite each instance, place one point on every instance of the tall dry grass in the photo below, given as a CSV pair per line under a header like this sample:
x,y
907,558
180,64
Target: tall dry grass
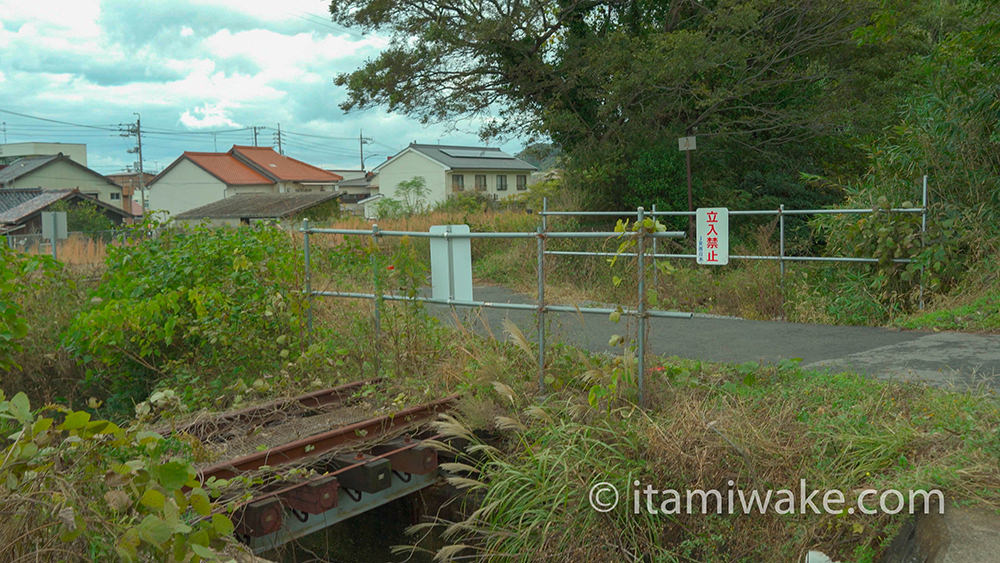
x,y
78,249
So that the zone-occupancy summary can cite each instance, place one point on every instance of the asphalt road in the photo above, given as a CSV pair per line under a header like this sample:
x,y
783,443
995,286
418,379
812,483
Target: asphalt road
x,y
943,358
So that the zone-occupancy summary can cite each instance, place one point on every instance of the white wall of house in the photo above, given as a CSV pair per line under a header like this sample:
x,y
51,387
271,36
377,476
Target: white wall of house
x,y
62,175
184,187
470,177
408,165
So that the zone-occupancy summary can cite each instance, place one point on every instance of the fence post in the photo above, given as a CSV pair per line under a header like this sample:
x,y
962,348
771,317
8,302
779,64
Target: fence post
x,y
781,256
541,294
308,274
656,277
377,290
641,359
923,236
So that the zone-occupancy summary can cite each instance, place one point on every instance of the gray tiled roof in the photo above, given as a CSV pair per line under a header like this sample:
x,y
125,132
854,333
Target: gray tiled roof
x,y
487,158
12,197
258,206
361,182
37,203
45,198
22,166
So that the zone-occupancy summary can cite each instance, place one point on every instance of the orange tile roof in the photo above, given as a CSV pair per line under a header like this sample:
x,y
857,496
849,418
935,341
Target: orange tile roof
x,y
282,167
227,168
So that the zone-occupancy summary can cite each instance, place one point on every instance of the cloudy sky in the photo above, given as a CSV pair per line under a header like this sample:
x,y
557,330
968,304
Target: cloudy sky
x,y
201,73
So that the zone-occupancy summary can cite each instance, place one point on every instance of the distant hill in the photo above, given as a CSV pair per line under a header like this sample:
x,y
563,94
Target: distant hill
x,y
542,155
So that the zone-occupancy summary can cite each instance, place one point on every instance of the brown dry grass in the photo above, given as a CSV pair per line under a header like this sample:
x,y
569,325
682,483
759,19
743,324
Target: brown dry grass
x,y
76,250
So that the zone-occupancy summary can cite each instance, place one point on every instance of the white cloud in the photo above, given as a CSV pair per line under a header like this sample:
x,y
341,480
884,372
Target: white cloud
x,y
195,64
207,116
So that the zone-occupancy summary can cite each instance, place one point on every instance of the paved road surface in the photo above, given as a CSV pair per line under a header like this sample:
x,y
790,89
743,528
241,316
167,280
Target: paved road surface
x,y
945,358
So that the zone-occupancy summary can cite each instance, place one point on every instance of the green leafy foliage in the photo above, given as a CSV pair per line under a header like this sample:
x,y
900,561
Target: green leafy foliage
x,y
18,273
84,216
193,305
90,489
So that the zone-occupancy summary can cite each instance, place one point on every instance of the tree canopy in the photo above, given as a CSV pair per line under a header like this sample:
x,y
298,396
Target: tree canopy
x,y
771,87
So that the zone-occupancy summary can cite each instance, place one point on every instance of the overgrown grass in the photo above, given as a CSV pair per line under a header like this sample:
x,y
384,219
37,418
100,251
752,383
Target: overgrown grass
x,y
716,427
761,427
973,306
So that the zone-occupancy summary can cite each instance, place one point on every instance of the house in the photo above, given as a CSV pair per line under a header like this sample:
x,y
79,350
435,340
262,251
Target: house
x,y
369,206
243,209
21,208
132,184
448,169
356,186
9,152
59,172
196,179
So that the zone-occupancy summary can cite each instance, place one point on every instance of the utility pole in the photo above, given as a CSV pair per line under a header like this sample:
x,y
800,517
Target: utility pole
x,y
277,138
362,141
4,132
255,128
135,130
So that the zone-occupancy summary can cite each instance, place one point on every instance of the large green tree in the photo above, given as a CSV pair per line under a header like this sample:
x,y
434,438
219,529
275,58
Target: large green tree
x,y
769,86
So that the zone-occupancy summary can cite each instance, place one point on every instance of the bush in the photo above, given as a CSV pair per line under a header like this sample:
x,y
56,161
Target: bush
x,y
192,305
73,488
18,272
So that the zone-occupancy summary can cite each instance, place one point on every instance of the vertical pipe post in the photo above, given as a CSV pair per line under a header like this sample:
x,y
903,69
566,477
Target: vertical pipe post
x,y
641,359
923,236
541,295
781,256
377,290
656,277
308,275
687,156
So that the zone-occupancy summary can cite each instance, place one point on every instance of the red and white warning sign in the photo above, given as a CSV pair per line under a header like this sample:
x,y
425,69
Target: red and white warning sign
x,y
712,235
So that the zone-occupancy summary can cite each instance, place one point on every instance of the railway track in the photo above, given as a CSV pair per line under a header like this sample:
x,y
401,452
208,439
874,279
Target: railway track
x,y
356,466
273,412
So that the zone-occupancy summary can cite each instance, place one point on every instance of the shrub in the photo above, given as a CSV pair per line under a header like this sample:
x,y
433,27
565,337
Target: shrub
x,y
191,304
17,274
73,488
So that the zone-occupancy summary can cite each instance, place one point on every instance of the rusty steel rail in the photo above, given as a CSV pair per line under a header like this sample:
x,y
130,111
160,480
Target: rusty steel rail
x,y
364,431
264,513
315,399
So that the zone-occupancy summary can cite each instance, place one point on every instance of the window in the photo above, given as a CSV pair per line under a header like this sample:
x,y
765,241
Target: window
x,y
501,183
522,182
115,196
480,182
458,182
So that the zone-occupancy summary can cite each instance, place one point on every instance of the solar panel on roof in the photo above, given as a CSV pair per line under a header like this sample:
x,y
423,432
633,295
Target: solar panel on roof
x,y
470,153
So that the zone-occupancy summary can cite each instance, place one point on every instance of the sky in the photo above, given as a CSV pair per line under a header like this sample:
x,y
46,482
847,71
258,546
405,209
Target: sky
x,y
201,74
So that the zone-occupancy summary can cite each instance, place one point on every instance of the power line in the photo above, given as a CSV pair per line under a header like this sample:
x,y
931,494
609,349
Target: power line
x,y
315,136
110,128
329,24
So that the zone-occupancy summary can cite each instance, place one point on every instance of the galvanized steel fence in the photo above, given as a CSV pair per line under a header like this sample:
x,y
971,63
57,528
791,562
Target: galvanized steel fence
x,y
642,235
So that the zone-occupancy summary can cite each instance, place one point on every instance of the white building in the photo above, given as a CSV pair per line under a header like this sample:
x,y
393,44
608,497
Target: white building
x,y
59,172
9,152
199,178
448,169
